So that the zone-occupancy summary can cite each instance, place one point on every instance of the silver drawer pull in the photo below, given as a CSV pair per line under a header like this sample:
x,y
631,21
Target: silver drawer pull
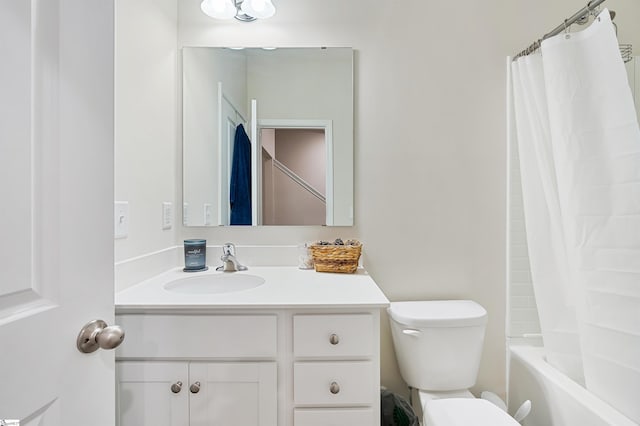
x,y
334,339
195,388
334,388
176,387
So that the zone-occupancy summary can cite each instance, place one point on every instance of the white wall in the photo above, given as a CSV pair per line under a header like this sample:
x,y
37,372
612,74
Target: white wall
x,y
146,116
430,150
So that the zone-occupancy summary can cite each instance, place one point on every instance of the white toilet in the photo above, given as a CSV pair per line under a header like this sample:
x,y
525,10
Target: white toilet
x,y
438,345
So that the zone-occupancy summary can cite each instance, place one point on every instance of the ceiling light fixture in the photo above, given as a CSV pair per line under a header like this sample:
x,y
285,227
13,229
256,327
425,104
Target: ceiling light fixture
x,y
242,10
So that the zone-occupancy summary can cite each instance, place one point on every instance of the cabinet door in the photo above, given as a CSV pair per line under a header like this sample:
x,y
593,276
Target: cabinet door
x,y
234,394
149,394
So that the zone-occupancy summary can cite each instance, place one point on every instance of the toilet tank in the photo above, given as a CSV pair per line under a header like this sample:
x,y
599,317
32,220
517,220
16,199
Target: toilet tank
x,y
438,343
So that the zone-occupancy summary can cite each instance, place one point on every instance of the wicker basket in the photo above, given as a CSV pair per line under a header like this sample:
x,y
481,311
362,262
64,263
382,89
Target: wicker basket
x,y
336,258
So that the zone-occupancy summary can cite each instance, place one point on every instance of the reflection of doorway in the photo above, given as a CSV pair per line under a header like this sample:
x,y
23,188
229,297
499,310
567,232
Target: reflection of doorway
x,y
294,176
228,121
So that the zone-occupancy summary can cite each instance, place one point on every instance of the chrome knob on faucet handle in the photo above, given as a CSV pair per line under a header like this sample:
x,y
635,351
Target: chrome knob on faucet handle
x,y
229,249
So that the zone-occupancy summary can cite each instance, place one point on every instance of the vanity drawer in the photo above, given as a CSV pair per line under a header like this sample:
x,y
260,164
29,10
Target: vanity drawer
x,y
198,336
333,335
334,417
333,383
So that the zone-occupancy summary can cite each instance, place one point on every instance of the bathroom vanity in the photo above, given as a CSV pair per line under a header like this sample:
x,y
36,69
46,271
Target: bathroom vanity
x,y
294,347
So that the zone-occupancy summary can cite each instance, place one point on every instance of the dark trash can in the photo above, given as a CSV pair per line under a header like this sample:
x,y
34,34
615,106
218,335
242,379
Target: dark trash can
x,y
396,410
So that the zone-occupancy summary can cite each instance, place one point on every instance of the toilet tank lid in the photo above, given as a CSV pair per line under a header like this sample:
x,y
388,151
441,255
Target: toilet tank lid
x,y
438,313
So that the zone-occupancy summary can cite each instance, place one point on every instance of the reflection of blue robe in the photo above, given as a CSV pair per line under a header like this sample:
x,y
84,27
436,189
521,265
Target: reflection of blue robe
x,y
240,187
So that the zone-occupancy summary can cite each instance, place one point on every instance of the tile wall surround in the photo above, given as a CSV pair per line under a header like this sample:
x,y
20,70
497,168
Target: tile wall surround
x,y
522,311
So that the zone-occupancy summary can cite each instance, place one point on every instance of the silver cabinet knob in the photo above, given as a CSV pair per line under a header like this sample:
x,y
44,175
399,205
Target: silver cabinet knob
x,y
334,388
176,387
97,334
334,339
195,388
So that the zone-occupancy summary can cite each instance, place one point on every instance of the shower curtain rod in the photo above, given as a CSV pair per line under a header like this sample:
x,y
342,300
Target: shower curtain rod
x,y
560,28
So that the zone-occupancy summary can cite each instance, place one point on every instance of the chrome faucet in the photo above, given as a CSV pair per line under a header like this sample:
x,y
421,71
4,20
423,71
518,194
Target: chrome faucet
x,y
229,261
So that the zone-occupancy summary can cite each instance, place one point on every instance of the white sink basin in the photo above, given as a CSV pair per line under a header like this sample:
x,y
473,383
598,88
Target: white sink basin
x,y
225,282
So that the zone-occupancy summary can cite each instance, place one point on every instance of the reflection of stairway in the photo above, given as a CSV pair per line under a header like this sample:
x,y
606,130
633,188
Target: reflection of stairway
x,y
299,181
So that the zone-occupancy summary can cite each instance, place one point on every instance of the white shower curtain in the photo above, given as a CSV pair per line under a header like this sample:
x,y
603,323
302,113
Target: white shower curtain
x,y
579,146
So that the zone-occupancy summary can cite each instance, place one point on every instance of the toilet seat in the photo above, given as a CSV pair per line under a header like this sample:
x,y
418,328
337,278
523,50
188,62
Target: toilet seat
x,y
465,412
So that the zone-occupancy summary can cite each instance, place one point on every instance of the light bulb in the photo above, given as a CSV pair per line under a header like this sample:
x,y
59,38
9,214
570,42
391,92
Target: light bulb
x,y
219,9
258,8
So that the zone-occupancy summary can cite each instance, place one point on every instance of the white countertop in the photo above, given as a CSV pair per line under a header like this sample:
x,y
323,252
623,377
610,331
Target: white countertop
x,y
284,287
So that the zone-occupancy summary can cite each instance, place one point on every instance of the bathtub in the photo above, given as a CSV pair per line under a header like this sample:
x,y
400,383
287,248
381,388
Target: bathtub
x,y
556,400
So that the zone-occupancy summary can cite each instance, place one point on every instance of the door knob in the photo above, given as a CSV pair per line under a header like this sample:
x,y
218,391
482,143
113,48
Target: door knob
x,y
97,334
334,388
195,388
176,387
334,339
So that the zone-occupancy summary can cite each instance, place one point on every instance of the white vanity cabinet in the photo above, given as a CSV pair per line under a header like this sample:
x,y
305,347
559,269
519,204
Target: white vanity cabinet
x,y
281,367
168,373
303,349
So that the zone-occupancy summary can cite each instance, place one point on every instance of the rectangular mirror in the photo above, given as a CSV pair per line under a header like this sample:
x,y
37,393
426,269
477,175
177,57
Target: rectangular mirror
x,y
267,136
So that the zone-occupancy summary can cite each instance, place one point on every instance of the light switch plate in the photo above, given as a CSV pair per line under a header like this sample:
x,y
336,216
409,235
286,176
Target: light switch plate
x,y
121,219
167,215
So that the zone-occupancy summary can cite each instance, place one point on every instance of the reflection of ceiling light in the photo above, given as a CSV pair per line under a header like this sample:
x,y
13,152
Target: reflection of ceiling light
x,y
221,9
243,10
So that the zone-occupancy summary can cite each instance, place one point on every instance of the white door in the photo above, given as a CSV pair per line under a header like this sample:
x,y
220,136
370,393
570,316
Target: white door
x,y
56,170
256,167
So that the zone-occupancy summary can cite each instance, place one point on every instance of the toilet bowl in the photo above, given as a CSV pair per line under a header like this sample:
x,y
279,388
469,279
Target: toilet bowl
x,y
465,412
438,346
